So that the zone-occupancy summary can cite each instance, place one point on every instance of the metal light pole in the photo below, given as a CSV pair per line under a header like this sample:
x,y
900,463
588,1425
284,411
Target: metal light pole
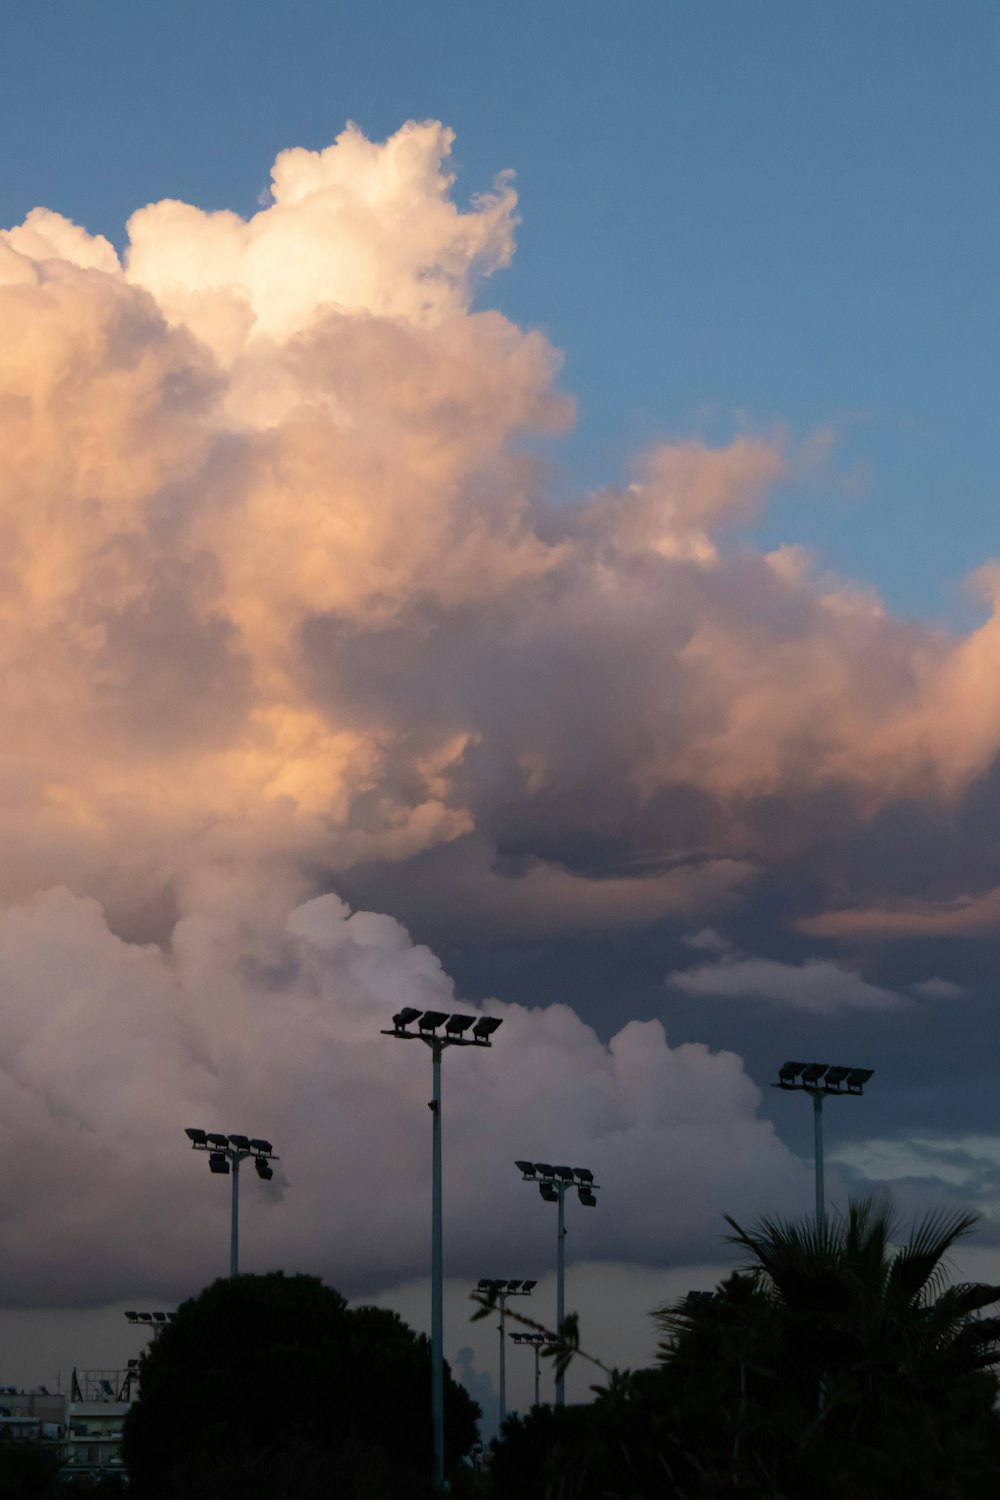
x,y
455,1027
552,1186
225,1152
503,1290
820,1080
538,1342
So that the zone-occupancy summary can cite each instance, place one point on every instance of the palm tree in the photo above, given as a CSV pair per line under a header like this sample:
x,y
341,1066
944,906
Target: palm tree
x,y
841,1357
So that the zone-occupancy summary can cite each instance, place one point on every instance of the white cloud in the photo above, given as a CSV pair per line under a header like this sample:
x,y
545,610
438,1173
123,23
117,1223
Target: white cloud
x,y
817,986
268,1021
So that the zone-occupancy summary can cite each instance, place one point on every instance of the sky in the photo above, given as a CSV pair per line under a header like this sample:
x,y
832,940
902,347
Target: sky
x,y
498,512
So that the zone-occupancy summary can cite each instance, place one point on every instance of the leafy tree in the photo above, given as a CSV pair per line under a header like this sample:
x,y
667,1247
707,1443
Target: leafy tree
x,y
265,1387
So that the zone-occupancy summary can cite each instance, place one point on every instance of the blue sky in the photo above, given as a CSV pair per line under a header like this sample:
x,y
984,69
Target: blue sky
x,y
734,214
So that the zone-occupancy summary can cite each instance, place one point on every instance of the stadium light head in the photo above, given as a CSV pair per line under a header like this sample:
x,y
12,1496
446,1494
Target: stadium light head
x,y
857,1078
241,1142
788,1072
566,1173
264,1172
526,1168
814,1072
835,1077
456,1025
264,1147
583,1174
586,1197
512,1286
544,1170
214,1139
196,1137
548,1192
528,1286
485,1027
131,1316
160,1317
218,1162
405,1017
432,1019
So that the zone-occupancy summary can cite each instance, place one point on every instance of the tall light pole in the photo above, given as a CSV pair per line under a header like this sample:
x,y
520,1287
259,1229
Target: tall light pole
x,y
820,1080
454,1035
552,1184
503,1290
225,1152
538,1342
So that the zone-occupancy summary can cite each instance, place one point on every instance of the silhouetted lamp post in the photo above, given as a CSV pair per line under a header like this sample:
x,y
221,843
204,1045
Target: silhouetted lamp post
x,y
503,1290
821,1081
537,1342
552,1184
479,1029
225,1152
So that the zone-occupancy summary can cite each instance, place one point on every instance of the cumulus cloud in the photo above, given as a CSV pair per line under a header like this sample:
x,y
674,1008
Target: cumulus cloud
x,y
267,1020
282,594
816,986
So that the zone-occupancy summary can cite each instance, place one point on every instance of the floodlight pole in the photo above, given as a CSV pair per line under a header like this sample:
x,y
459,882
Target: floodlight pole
x,y
234,1227
502,1299
230,1149
454,1036
817,1098
437,1271
819,1080
561,1284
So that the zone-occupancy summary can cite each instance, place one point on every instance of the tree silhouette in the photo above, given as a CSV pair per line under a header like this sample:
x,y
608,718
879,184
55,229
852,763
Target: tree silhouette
x,y
265,1387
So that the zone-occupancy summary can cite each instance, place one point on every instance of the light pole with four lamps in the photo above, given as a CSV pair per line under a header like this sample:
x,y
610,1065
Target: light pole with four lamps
x,y
225,1152
821,1081
481,1028
552,1184
502,1290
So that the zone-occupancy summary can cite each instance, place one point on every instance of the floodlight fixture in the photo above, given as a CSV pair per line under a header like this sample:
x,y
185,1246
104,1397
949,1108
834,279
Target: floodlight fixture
x,y
459,1031
500,1291
555,1183
131,1316
225,1153
822,1081
160,1317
